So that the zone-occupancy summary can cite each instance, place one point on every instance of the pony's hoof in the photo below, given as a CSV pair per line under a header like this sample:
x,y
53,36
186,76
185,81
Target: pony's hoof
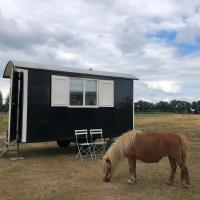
x,y
130,182
184,185
169,183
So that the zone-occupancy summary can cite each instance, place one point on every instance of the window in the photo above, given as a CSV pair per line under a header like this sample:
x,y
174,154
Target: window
x,y
90,92
81,92
76,92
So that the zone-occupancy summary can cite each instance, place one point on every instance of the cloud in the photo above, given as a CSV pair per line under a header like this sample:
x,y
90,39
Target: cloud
x,y
152,39
4,87
169,87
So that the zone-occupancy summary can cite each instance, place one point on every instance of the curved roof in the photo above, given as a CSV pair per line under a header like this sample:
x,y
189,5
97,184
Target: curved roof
x,y
14,64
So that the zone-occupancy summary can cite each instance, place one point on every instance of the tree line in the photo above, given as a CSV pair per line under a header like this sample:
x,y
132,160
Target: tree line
x,y
174,106
4,106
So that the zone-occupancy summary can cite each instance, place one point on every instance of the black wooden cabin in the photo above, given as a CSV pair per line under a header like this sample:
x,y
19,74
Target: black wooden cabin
x,y
49,102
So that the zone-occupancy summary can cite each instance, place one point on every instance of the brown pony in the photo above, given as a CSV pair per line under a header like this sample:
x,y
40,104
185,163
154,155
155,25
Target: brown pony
x,y
148,148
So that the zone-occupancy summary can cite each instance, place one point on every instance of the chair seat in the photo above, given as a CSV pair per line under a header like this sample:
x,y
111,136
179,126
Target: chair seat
x,y
85,144
99,143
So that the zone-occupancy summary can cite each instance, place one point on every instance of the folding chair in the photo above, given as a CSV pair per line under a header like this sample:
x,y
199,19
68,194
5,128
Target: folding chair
x,y
84,148
97,146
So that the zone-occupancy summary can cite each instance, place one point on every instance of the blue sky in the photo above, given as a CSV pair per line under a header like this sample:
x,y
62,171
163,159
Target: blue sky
x,y
170,38
158,41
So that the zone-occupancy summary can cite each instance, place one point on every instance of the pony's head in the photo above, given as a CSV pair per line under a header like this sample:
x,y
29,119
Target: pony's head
x,y
107,169
120,148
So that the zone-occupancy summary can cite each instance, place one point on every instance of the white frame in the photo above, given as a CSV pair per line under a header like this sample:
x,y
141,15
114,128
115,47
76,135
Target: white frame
x,y
9,111
24,102
84,106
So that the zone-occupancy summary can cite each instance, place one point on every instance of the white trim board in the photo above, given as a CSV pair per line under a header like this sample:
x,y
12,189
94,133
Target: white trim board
x,y
9,112
25,102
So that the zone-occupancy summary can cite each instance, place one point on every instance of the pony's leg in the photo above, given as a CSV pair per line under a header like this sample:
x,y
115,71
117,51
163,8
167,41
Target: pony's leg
x,y
184,173
187,177
173,170
132,169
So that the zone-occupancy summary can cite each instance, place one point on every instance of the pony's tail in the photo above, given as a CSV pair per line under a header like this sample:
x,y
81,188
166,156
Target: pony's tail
x,y
184,143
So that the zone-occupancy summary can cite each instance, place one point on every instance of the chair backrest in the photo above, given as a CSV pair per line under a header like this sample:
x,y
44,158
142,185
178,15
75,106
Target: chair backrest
x,y
81,134
96,133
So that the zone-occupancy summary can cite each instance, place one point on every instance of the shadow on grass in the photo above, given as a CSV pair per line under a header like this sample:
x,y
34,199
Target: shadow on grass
x,y
43,150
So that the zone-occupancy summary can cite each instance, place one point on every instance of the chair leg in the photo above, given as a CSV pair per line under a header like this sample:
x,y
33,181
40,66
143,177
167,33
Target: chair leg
x,y
79,152
91,152
94,153
98,149
84,149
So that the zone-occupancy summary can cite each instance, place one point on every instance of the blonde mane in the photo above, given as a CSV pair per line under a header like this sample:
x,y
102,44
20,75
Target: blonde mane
x,y
120,148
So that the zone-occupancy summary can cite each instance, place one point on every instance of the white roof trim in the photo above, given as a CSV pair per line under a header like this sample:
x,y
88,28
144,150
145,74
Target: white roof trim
x,y
13,64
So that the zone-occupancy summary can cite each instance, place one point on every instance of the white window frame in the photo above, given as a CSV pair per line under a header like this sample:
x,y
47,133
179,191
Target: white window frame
x,y
84,106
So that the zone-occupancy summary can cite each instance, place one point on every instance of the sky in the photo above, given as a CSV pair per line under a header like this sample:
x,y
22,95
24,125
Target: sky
x,y
157,41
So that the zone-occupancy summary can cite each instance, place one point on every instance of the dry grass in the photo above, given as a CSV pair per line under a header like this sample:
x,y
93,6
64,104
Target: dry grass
x,y
186,124
49,172
3,122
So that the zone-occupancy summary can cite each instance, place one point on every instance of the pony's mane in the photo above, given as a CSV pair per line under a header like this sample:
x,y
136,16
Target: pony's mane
x,y
120,148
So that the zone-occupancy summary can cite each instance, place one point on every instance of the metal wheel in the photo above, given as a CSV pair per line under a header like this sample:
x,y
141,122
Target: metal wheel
x,y
63,143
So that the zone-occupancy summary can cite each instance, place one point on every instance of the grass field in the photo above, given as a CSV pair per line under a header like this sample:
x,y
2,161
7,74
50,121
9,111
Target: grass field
x,y
49,172
3,122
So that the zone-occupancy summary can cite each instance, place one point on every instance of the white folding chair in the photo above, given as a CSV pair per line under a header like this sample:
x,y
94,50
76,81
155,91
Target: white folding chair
x,y
83,146
98,146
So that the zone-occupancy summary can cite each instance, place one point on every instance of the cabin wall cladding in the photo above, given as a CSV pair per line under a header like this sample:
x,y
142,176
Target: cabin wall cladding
x,y
91,100
123,106
45,122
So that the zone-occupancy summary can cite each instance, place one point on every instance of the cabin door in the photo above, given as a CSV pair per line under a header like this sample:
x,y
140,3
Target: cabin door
x,y
15,109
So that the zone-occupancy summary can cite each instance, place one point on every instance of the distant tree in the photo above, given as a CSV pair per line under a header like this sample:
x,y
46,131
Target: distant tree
x,y
196,107
6,105
163,106
1,102
144,106
181,106
173,106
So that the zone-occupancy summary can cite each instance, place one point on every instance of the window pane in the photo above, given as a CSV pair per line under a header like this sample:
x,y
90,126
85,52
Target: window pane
x,y
76,92
91,92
